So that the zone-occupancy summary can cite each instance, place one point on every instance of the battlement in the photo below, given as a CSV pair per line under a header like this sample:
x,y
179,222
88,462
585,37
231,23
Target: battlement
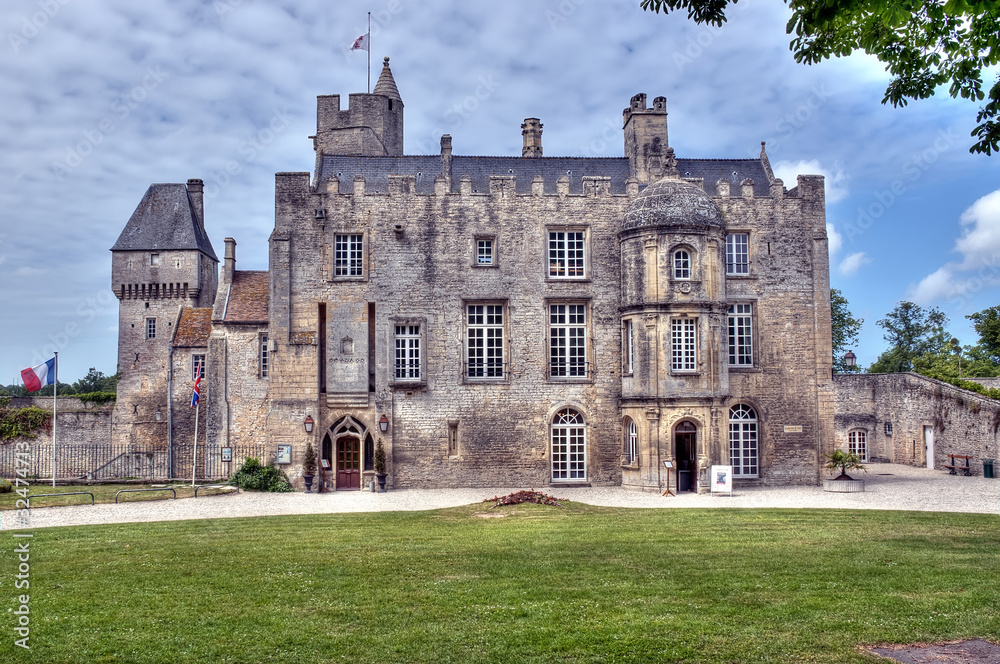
x,y
372,124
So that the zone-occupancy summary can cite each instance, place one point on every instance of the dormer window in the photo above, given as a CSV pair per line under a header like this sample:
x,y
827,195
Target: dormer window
x,y
682,264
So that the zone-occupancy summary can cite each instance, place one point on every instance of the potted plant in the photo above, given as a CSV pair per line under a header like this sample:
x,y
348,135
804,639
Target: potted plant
x,y
844,483
309,467
379,463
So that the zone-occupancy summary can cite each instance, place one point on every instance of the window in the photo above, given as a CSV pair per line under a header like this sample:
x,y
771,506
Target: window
x,y
740,335
265,357
682,265
197,366
743,441
485,345
407,341
631,441
150,328
154,259
452,438
566,254
484,252
737,253
683,344
348,256
569,446
857,443
568,340
627,339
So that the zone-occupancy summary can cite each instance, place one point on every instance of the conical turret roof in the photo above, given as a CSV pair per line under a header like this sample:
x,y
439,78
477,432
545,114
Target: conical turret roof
x,y
386,85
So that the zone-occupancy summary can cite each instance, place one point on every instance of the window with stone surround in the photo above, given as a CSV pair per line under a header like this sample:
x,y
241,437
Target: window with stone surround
x,y
265,357
743,440
569,446
683,344
485,252
737,254
857,443
484,346
568,341
682,264
150,328
627,343
348,255
740,335
567,254
197,366
407,343
631,441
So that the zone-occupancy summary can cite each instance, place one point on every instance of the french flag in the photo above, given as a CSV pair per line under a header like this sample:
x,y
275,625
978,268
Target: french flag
x,y
197,387
37,377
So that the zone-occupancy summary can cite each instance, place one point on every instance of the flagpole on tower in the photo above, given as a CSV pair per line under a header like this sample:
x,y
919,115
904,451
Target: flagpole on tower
x,y
55,397
369,52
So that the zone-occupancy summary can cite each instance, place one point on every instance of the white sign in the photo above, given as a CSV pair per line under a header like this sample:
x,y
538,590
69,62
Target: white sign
x,y
722,479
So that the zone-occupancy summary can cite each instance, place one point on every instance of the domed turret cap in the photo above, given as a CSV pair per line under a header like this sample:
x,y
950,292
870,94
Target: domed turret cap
x,y
672,202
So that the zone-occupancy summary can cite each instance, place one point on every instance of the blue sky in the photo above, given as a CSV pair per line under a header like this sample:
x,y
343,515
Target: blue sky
x,y
102,98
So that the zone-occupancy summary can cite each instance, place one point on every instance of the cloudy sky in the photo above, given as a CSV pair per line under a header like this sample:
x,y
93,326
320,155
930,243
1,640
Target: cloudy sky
x,y
103,97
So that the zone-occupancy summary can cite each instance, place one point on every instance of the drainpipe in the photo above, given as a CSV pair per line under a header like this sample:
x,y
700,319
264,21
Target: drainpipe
x,y
170,413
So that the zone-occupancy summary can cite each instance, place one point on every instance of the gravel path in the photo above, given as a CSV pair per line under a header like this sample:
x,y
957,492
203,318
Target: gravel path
x,y
887,487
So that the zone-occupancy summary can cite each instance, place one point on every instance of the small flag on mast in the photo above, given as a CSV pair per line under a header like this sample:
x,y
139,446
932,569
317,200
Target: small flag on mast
x,y
361,43
35,378
196,395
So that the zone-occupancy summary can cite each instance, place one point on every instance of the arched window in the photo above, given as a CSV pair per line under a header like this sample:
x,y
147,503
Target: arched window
x,y
682,264
631,441
857,443
743,441
569,446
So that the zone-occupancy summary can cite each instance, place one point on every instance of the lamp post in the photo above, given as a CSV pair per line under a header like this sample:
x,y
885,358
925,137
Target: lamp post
x,y
850,359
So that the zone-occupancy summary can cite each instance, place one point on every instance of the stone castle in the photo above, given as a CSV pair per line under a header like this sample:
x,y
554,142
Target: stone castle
x,y
494,321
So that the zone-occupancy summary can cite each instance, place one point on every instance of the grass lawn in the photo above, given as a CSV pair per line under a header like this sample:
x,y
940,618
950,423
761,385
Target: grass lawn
x,y
541,584
103,493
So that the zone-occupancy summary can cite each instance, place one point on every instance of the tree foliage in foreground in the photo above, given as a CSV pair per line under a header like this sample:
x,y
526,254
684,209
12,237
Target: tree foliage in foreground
x,y
924,44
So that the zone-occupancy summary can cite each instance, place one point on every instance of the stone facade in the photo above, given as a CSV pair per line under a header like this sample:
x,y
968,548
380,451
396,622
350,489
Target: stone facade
x,y
511,321
911,419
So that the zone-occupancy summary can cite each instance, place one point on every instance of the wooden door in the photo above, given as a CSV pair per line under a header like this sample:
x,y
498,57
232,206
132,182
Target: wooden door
x,y
348,463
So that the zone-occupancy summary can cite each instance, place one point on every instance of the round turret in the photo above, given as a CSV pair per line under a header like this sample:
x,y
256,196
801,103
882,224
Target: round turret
x,y
672,202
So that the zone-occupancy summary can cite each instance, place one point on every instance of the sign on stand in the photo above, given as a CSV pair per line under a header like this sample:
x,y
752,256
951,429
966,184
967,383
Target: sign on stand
x,y
722,479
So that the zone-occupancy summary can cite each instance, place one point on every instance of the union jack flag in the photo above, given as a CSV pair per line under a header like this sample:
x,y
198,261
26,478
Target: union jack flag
x,y
197,387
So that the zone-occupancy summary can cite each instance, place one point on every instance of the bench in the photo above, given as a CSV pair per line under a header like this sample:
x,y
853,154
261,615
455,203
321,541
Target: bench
x,y
954,465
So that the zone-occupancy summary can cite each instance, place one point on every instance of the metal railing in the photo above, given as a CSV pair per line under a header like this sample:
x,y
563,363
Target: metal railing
x,y
165,488
68,493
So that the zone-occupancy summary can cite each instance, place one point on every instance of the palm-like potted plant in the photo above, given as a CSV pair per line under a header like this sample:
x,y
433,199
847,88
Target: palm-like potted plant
x,y
309,467
843,461
379,463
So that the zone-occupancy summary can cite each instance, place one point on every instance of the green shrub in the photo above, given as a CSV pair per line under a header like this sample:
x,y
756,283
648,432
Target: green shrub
x,y
5,486
254,477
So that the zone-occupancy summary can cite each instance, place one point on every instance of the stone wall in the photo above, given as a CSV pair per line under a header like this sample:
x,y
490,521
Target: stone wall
x,y
959,421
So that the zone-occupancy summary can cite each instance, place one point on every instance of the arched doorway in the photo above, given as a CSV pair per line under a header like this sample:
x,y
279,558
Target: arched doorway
x,y
685,453
342,446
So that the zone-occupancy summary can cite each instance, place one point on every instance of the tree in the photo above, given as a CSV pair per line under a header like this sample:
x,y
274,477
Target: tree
x,y
911,331
845,331
953,360
987,325
923,44
96,381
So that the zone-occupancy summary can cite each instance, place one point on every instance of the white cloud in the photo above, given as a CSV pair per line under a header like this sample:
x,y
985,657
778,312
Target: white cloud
x,y
979,246
853,263
834,238
836,179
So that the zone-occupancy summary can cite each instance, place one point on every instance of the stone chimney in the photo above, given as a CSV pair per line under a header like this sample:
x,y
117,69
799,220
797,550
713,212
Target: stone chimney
x,y
229,262
196,192
531,132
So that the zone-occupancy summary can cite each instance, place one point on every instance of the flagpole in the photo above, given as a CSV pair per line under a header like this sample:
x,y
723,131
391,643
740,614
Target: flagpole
x,y
194,462
369,52
55,398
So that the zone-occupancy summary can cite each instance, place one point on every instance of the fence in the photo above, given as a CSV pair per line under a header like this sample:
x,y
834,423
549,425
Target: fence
x,y
119,462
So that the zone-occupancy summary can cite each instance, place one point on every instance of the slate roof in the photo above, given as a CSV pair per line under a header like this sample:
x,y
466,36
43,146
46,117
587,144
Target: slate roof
x,y
376,171
193,327
248,297
165,219
386,85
